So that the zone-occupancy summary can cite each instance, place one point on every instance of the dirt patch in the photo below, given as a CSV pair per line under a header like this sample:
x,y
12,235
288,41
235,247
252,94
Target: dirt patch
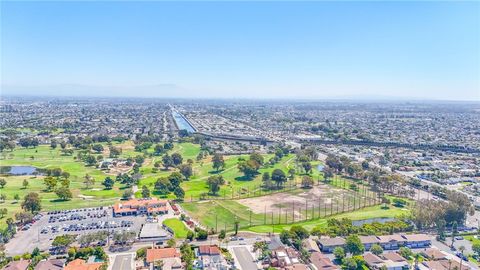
x,y
319,197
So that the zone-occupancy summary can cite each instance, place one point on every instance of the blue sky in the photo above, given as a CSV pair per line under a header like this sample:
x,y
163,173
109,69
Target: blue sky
x,y
243,49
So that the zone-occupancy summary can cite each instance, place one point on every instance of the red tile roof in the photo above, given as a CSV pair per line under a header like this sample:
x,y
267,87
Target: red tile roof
x,y
79,264
208,250
154,254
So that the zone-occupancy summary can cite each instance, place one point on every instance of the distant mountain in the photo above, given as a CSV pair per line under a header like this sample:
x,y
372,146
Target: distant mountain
x,y
74,90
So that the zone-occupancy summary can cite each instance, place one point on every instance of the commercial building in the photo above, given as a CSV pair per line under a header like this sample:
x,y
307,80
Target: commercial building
x,y
135,207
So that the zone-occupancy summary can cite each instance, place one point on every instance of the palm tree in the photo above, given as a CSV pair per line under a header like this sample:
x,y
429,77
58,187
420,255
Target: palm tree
x,y
417,258
462,249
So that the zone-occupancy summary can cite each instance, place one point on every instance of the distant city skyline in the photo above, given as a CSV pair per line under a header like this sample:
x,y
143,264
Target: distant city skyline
x,y
278,50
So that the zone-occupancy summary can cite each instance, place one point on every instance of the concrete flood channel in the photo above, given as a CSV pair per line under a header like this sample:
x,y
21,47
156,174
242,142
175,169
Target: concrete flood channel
x,y
182,122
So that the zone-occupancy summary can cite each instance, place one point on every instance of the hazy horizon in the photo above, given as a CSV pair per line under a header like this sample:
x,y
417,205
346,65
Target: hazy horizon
x,y
243,50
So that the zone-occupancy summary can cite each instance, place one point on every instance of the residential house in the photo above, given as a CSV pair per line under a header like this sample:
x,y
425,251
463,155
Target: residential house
x,y
283,257
375,262
170,258
79,264
321,262
310,245
434,254
297,266
417,240
368,241
17,265
211,257
327,245
53,264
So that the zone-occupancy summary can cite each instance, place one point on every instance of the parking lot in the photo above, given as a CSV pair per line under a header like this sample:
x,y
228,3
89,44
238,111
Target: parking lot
x,y
77,221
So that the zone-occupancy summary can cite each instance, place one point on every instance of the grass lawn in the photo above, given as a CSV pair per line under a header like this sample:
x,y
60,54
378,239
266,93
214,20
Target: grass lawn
x,y
45,157
177,226
222,214
365,213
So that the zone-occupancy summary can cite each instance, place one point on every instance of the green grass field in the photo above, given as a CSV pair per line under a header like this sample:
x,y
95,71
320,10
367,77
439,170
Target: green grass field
x,y
211,213
177,226
221,214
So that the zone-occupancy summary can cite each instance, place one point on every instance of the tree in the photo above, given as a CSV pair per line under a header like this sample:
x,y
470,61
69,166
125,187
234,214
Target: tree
x,y
63,145
163,186
350,264
299,232
64,193
3,197
50,183
222,234
187,255
354,245
53,144
167,161
127,194
97,148
24,217
257,158
168,146
16,197
339,254
158,149
25,183
186,170
441,224
405,252
145,192
32,202
214,182
177,159
201,234
3,182
266,180
89,181
108,182
376,249
3,212
279,177
115,151
236,224
291,173
327,173
63,241
179,193
171,243
476,247
90,160
249,168
218,162
454,231
307,166
307,181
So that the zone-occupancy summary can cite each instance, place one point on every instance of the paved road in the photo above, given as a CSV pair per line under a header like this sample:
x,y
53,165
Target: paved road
x,y
447,249
123,262
244,258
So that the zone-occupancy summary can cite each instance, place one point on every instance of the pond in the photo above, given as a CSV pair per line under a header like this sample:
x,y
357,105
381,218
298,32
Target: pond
x,y
320,167
371,220
18,170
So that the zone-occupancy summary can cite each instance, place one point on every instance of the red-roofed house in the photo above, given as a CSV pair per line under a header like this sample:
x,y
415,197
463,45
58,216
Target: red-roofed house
x,y
79,264
170,258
